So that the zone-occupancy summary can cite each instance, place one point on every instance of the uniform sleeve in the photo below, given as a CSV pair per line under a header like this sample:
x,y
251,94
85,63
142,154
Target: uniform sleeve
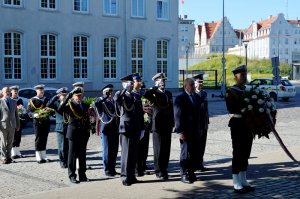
x,y
52,103
178,114
232,102
17,117
171,109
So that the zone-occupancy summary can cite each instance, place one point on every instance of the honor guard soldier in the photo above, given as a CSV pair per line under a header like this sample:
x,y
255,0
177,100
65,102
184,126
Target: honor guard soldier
x,y
130,129
241,137
204,117
187,116
60,127
15,152
41,126
75,114
162,124
143,143
109,129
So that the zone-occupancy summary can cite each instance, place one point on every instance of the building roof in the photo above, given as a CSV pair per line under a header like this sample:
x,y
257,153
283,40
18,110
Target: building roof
x,y
239,33
294,21
263,24
211,28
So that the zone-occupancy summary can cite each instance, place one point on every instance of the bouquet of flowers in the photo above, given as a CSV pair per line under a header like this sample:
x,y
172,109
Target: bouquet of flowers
x,y
21,112
91,113
259,111
147,109
43,114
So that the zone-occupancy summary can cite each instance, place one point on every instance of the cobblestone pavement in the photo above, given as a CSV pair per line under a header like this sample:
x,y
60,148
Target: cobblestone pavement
x,y
275,178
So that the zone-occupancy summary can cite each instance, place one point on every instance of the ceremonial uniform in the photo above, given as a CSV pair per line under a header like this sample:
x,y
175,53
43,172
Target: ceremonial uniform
x,y
109,131
130,128
60,128
77,118
41,128
162,126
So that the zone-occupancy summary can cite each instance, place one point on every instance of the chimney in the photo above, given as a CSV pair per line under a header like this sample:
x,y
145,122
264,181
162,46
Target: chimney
x,y
185,16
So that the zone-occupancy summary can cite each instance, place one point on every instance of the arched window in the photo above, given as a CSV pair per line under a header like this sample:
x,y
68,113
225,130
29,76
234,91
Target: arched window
x,y
80,56
162,48
48,56
137,56
110,57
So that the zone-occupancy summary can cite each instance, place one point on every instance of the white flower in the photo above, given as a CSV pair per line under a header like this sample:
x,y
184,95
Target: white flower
x,y
243,110
260,101
247,100
268,111
261,110
250,107
254,96
36,115
269,104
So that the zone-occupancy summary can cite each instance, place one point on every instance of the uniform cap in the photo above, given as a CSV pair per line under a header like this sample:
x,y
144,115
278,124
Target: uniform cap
x,y
107,88
62,90
136,76
80,84
239,69
15,87
127,78
40,86
199,77
159,76
78,91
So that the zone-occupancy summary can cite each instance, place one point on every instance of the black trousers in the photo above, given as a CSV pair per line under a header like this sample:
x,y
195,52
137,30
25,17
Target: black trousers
x,y
110,145
41,131
161,150
202,144
17,138
242,140
143,148
129,146
189,155
77,149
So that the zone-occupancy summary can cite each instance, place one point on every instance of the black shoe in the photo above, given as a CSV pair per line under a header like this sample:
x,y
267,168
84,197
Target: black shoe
x,y
83,178
140,174
186,179
73,180
162,175
249,188
15,157
126,182
203,169
240,191
41,161
192,177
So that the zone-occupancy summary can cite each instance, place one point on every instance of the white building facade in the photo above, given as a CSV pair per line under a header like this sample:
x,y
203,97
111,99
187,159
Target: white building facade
x,y
186,34
58,42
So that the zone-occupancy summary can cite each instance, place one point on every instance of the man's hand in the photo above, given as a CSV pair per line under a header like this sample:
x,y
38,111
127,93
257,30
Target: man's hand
x,y
17,129
181,136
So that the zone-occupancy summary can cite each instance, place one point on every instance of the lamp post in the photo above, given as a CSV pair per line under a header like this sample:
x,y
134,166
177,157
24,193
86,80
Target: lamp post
x,y
187,55
223,89
245,42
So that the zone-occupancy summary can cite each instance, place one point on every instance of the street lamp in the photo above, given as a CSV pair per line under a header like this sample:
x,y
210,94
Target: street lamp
x,y
245,42
187,55
223,89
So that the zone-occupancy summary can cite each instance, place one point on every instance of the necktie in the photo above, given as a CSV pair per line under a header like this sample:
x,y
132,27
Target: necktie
x,y
192,99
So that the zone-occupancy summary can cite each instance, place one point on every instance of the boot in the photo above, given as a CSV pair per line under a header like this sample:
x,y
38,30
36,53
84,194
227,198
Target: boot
x,y
244,182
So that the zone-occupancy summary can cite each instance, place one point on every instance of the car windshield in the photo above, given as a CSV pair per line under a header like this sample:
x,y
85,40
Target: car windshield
x,y
286,83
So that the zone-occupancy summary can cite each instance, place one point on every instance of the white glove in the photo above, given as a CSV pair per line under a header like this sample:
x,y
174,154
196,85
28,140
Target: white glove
x,y
35,115
142,134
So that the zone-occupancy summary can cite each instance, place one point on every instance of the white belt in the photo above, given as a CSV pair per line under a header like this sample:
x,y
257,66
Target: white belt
x,y
237,116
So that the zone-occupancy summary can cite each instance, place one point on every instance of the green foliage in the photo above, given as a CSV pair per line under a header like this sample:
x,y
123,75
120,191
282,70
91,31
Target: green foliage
x,y
89,100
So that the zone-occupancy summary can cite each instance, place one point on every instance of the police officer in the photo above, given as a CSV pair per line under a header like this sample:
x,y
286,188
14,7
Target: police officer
x,y
130,129
41,127
15,152
204,117
77,118
241,137
61,127
109,129
162,124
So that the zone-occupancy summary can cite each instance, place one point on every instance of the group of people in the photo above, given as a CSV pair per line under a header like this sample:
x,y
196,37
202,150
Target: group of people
x,y
127,118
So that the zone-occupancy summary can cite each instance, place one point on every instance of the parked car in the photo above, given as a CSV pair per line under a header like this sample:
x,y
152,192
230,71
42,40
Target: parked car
x,y
26,93
283,90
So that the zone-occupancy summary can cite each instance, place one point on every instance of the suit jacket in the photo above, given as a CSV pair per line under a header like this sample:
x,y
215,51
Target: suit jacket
x,y
204,117
9,116
187,115
163,113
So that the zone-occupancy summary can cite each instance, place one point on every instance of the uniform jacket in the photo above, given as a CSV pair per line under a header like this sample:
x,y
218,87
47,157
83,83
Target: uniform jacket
x,y
9,116
204,117
77,118
38,103
163,113
54,103
187,115
108,118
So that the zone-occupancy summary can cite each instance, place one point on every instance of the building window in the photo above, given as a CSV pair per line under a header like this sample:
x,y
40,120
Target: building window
x,y
110,57
110,7
163,9
12,56
80,59
48,4
286,51
137,8
137,56
286,41
17,3
81,5
162,56
48,56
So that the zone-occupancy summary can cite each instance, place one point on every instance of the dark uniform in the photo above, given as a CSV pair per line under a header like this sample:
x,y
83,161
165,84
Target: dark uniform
x,y
187,116
162,126
131,125
41,128
109,132
78,132
61,129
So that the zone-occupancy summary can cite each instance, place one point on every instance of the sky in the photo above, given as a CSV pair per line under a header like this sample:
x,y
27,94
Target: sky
x,y
240,13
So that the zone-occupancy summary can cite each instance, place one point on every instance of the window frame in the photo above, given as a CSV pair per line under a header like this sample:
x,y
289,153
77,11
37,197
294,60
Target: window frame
x,y
12,4
137,9
110,59
162,17
162,59
49,57
135,67
80,57
48,5
110,8
81,11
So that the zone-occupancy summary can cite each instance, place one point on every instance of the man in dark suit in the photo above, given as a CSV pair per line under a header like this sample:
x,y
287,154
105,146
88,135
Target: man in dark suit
x,y
130,129
9,123
162,124
60,127
241,137
105,107
41,126
204,117
187,116
15,152
77,118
